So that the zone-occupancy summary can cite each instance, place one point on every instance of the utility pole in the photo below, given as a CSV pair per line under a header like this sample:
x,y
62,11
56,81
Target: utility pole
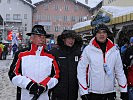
x,y
1,28
3,31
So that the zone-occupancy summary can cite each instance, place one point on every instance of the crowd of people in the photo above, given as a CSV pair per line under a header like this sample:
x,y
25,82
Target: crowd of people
x,y
9,49
66,70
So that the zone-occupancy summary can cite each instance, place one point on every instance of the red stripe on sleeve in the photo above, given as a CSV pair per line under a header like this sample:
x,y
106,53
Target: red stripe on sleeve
x,y
44,82
17,67
123,86
56,69
83,87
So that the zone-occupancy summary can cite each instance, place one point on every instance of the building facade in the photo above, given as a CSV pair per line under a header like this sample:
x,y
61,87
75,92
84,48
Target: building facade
x,y
58,15
17,15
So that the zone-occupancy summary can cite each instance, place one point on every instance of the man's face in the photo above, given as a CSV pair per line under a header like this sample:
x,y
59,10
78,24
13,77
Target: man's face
x,y
101,36
69,41
39,40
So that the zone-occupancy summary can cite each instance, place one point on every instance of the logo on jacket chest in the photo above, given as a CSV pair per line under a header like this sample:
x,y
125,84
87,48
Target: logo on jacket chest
x,y
76,58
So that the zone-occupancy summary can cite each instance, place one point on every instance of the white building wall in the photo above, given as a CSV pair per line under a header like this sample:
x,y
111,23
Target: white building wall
x,y
17,7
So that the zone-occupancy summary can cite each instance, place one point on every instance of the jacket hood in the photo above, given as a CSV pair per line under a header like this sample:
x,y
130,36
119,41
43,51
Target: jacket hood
x,y
78,39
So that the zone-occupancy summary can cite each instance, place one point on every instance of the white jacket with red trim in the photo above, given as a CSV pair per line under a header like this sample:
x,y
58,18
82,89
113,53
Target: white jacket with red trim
x,y
94,79
36,65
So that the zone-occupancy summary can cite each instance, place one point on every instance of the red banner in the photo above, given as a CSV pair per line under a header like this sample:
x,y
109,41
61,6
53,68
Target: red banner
x,y
9,35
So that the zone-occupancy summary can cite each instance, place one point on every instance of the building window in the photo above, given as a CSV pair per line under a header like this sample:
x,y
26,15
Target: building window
x,y
66,8
57,18
65,28
8,1
76,8
25,24
80,19
47,28
38,17
0,1
73,19
16,16
56,7
65,18
25,16
7,16
25,29
56,28
46,6
48,18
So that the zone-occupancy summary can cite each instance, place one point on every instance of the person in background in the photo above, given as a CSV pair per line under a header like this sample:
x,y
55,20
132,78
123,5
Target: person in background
x,y
9,49
100,64
14,49
5,52
67,54
124,47
128,63
1,52
34,71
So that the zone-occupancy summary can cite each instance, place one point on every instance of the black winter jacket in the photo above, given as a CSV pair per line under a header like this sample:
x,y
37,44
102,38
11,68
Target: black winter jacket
x,y
67,88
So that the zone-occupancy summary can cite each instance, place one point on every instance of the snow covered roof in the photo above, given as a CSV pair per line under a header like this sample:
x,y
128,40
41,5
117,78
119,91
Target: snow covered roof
x,y
29,3
36,1
91,3
118,11
81,24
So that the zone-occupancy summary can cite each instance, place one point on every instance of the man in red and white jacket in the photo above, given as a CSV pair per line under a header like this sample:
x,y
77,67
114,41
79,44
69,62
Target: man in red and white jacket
x,y
33,69
99,66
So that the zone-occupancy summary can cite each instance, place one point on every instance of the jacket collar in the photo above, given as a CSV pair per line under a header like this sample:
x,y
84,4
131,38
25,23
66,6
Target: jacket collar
x,y
35,47
109,44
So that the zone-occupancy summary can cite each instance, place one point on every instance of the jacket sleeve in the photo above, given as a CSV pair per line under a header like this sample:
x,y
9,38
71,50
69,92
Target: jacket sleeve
x,y
127,57
120,76
52,80
81,72
15,73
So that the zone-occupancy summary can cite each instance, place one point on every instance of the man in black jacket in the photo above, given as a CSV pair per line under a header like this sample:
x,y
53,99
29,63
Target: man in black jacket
x,y
67,55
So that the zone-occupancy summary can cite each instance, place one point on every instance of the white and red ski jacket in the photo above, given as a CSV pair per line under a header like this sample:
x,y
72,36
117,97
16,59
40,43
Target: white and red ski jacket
x,y
37,65
91,74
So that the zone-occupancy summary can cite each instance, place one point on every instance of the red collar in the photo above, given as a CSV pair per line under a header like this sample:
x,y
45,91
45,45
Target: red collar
x,y
108,46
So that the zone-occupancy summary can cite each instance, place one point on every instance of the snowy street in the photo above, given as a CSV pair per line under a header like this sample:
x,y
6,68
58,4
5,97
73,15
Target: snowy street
x,y
7,90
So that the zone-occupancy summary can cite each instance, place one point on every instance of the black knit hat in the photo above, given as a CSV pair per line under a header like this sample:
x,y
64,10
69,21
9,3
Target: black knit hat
x,y
68,33
38,30
101,27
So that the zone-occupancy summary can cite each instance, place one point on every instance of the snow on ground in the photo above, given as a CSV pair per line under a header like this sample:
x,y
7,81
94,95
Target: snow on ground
x,y
7,90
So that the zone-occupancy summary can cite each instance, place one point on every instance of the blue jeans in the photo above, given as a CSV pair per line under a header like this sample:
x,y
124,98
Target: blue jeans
x,y
130,93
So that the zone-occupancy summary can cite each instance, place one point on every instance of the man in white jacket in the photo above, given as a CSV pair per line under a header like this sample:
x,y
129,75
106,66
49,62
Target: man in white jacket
x,y
99,66
33,69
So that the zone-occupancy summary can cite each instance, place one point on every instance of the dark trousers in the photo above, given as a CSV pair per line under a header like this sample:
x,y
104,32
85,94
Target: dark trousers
x,y
108,96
